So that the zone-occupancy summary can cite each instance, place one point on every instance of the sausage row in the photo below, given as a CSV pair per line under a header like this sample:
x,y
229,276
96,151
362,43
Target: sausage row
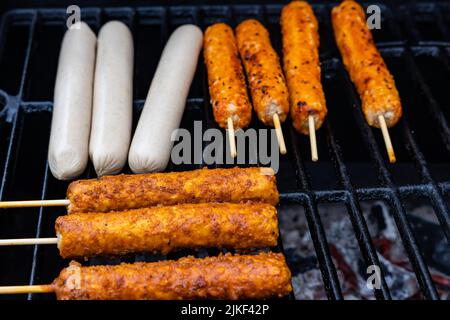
x,y
300,38
105,96
110,131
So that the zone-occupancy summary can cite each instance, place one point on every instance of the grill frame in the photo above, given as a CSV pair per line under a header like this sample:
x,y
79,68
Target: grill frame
x,y
305,195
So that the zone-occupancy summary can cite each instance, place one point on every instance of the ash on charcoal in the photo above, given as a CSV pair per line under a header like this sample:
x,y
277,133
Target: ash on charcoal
x,y
307,279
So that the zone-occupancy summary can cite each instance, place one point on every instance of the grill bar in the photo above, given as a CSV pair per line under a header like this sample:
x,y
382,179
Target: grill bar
x,y
357,218
404,228
327,267
32,280
437,201
434,193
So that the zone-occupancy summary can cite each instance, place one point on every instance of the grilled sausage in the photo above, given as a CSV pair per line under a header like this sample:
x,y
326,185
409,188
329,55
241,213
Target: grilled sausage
x,y
365,65
262,65
165,229
122,192
301,63
226,79
261,276
166,99
113,99
72,107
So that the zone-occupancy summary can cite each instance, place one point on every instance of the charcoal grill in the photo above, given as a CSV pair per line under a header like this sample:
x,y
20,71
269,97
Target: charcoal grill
x,y
414,40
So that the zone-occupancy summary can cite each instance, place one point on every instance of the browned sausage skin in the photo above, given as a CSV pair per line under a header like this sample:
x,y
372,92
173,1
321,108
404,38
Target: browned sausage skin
x,y
266,80
365,65
300,35
226,78
165,229
123,192
260,276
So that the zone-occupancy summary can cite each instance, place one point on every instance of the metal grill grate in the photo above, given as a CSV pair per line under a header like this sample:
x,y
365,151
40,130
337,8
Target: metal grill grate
x,y
414,39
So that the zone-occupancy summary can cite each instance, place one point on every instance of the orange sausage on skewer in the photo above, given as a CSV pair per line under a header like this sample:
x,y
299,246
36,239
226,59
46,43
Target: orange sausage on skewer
x,y
299,28
266,80
365,65
375,84
226,78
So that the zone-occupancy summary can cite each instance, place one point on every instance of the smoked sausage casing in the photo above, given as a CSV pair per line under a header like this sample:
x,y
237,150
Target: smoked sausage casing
x,y
226,80
261,276
122,192
169,228
300,36
367,69
68,152
266,80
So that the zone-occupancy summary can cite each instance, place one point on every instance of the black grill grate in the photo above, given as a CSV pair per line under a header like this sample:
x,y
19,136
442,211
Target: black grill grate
x,y
414,39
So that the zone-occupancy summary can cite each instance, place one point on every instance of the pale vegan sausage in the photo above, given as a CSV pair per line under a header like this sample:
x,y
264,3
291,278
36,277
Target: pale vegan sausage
x,y
71,122
166,99
113,99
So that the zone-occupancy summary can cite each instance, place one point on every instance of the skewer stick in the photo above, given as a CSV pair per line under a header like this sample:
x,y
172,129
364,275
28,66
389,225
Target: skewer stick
x,y
34,203
233,151
279,132
43,288
387,139
312,138
27,241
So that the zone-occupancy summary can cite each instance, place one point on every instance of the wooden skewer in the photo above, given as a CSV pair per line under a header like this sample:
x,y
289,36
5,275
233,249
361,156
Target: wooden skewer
x,y
27,241
279,132
34,203
43,288
387,139
233,151
312,138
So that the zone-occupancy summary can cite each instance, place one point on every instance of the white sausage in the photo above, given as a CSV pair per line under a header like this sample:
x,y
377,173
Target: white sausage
x,y
113,99
72,107
166,99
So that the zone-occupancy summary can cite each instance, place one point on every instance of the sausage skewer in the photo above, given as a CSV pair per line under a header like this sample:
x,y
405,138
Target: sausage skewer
x,y
261,276
230,126
300,31
375,84
312,139
226,80
124,192
163,229
268,88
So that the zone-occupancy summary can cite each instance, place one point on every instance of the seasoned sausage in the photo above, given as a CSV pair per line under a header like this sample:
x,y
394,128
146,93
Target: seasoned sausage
x,y
301,63
169,228
113,99
151,145
365,65
262,65
72,107
122,192
226,80
261,276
